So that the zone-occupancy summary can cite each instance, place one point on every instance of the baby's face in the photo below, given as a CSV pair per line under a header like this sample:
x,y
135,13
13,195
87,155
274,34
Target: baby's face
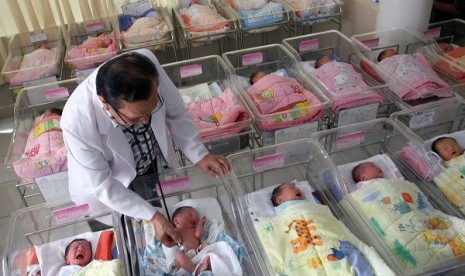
x,y
188,218
258,76
323,60
371,171
388,53
448,149
289,192
79,253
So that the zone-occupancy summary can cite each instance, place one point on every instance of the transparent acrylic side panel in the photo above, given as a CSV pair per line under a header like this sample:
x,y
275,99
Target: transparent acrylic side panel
x,y
301,160
24,43
430,120
308,48
36,226
268,59
380,136
30,104
201,186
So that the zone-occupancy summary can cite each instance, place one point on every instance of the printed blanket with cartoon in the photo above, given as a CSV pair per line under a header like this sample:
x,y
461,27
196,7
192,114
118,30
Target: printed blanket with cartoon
x,y
38,64
274,93
218,115
451,181
45,151
415,71
345,86
417,234
306,239
224,252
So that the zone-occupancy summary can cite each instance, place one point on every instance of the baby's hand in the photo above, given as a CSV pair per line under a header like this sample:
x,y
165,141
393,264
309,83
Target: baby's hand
x,y
202,246
203,220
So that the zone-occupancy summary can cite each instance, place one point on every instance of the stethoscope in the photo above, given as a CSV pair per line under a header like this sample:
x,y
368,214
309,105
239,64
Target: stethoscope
x,y
143,130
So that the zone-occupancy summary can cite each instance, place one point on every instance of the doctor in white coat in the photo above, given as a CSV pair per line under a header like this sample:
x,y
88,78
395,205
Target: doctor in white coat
x,y
128,95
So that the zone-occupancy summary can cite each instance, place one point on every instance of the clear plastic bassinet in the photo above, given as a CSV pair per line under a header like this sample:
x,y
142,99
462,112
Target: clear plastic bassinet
x,y
380,141
339,48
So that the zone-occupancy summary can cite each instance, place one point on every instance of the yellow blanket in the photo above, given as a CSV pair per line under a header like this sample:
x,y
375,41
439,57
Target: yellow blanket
x,y
417,234
451,181
305,239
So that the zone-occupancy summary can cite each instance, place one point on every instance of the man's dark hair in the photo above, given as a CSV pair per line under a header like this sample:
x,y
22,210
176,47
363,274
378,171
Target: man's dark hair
x,y
129,77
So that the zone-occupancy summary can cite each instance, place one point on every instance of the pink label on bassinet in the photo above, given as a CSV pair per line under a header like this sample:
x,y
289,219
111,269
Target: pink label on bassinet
x,y
268,162
56,93
251,59
351,139
92,27
174,185
71,213
191,70
309,45
373,42
433,32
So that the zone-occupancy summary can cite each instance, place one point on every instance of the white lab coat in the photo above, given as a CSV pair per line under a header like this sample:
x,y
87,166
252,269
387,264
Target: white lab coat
x,y
100,161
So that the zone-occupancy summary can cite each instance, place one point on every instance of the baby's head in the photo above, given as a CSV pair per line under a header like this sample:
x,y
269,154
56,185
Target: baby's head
x,y
185,217
284,192
256,76
78,252
52,111
322,61
386,53
447,148
366,171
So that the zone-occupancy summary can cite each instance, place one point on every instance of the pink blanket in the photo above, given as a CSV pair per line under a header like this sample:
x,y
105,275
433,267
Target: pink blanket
x,y
145,29
93,52
45,151
40,63
415,71
221,115
345,86
201,18
283,102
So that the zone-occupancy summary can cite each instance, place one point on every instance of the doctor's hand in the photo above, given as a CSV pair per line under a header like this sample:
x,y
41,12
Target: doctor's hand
x,y
214,165
164,231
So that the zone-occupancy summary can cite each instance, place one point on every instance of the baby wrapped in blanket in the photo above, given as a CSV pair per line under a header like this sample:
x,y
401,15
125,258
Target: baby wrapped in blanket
x,y
346,86
150,26
216,115
214,252
451,180
304,238
417,234
45,151
38,64
415,71
273,94
93,51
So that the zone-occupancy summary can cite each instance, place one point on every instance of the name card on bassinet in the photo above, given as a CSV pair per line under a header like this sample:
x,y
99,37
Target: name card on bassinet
x,y
350,139
433,32
371,43
251,59
190,70
71,213
56,93
422,119
174,185
93,27
268,162
309,45
36,38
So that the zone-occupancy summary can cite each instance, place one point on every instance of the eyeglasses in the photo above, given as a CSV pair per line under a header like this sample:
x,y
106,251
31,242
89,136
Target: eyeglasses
x,y
132,121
